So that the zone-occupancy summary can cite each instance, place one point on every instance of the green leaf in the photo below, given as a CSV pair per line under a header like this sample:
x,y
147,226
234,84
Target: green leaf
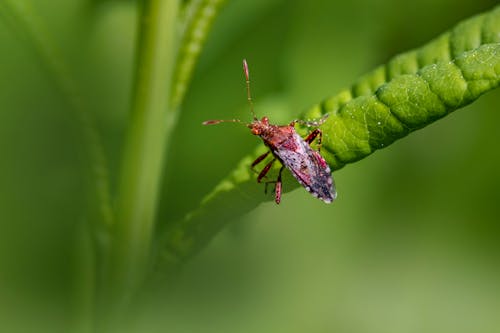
x,y
411,91
406,103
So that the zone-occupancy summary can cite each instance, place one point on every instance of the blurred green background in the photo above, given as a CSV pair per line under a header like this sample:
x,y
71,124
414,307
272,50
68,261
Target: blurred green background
x,y
410,245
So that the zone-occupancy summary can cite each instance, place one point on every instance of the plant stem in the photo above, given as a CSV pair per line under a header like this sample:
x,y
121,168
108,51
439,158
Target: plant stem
x,y
144,149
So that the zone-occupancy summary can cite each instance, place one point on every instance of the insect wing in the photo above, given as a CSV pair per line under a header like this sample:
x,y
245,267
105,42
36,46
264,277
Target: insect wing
x,y
308,167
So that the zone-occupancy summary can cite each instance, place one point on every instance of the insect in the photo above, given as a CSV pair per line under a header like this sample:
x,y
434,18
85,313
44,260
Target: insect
x,y
291,150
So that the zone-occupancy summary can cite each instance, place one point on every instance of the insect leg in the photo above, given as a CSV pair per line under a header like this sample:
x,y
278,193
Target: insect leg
x,y
277,188
259,159
264,171
316,133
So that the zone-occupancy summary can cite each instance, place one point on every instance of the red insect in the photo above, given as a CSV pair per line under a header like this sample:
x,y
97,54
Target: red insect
x,y
294,152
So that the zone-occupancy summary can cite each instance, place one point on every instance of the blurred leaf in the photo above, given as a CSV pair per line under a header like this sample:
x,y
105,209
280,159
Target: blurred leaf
x,y
411,91
170,39
197,21
32,30
100,2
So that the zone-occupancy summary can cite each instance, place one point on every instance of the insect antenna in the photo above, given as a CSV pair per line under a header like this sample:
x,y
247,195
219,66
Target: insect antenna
x,y
247,81
218,121
249,98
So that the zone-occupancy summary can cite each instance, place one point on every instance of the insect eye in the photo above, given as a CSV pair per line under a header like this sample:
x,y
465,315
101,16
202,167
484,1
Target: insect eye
x,y
255,131
265,120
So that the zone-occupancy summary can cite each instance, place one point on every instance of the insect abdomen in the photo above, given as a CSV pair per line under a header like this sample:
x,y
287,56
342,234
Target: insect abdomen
x,y
307,166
